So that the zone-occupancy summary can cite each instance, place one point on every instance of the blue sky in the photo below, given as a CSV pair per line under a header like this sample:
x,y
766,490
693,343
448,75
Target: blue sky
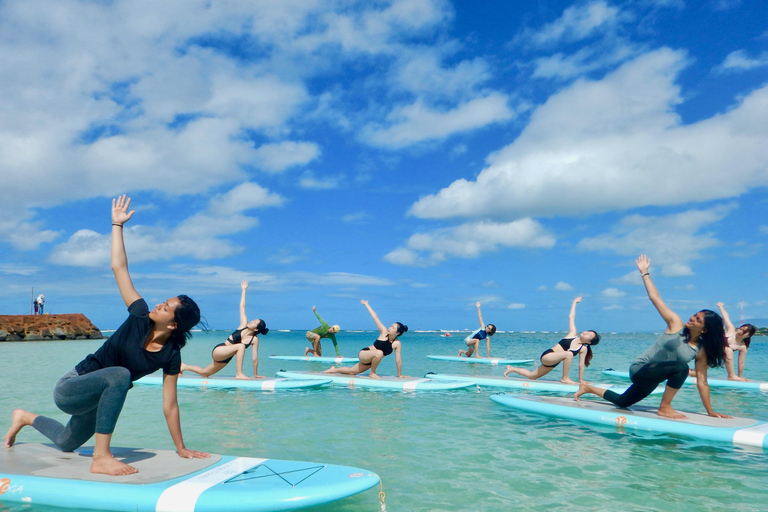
x,y
421,154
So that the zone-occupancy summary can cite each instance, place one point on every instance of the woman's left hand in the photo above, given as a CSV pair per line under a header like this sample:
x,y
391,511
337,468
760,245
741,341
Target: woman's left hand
x,y
720,415
120,213
186,453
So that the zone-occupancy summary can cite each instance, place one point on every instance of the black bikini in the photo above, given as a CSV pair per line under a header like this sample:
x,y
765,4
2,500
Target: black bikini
x,y
384,345
565,344
234,338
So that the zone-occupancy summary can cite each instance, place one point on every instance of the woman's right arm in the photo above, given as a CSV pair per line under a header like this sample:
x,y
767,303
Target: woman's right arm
x,y
119,260
379,325
243,317
730,330
673,321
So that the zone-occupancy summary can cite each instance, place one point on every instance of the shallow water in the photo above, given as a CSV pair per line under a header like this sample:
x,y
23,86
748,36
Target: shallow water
x,y
435,451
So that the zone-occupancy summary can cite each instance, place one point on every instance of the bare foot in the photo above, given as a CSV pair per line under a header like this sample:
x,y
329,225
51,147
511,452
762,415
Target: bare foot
x,y
19,419
242,376
374,376
332,369
306,351
510,369
567,381
461,352
669,412
108,465
259,377
739,379
183,369
582,390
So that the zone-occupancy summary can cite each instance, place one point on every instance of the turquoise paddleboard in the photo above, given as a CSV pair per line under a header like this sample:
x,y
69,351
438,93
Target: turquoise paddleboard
x,y
752,385
499,381
385,382
36,474
480,360
320,359
232,383
737,431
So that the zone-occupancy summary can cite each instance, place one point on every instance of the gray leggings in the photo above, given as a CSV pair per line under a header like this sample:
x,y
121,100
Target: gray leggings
x,y
94,400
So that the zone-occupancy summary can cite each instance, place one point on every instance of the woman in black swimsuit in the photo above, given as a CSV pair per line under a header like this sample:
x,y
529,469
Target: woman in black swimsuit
x,y
385,344
564,351
235,346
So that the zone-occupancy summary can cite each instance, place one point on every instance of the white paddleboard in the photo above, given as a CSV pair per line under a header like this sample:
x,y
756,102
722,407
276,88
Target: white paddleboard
x,y
319,359
37,474
736,431
480,360
233,383
385,382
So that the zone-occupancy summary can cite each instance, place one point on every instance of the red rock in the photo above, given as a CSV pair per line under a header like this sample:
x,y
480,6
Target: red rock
x,y
47,327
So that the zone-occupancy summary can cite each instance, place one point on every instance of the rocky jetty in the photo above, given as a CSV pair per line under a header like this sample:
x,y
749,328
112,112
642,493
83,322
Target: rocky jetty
x,y
47,327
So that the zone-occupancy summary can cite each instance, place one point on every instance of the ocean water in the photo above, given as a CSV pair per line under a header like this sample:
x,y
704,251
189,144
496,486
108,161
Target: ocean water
x,y
435,451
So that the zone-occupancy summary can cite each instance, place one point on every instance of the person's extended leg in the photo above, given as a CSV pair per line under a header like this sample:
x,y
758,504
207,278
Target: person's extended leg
x,y
533,375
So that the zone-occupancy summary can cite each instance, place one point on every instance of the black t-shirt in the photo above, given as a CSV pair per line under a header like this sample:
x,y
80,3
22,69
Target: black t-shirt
x,y
126,348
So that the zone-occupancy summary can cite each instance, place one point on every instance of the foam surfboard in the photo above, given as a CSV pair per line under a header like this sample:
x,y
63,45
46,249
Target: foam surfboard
x,y
385,382
320,359
499,381
736,431
480,360
752,385
232,383
37,475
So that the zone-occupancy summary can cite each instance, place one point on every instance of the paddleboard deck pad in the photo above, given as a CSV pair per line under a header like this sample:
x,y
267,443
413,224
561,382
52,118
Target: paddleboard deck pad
x,y
385,382
499,381
480,360
736,431
752,385
319,359
232,383
38,474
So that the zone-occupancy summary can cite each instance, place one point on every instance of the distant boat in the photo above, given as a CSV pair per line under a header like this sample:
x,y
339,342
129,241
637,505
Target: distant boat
x,y
283,330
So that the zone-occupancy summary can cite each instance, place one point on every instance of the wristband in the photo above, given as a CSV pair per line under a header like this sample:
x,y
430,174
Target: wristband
x,y
118,225
646,274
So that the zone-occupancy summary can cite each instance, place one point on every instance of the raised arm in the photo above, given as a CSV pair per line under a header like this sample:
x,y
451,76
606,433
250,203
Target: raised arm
x,y
121,215
572,319
673,321
730,330
480,315
243,317
379,325
323,323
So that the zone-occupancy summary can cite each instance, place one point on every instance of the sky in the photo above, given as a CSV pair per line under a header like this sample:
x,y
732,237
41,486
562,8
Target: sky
x,y
419,154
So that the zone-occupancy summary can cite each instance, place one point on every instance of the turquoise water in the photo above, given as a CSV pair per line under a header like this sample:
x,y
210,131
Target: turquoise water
x,y
435,451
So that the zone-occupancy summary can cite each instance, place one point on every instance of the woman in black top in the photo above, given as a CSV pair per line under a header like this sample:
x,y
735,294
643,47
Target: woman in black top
x,y
94,392
371,356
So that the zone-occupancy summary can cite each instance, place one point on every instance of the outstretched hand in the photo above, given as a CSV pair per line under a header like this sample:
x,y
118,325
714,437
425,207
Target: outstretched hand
x,y
643,263
314,309
477,304
577,300
364,302
244,284
120,213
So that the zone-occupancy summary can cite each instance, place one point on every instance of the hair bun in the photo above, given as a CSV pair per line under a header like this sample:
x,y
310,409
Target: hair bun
x,y
265,330
405,328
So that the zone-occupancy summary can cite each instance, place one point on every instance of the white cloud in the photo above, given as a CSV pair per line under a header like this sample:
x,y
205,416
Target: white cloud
x,y
562,286
308,180
740,61
418,122
576,23
490,284
632,277
516,305
469,241
763,228
613,307
672,242
613,293
585,60
607,145
280,156
199,236
541,288
18,269
356,218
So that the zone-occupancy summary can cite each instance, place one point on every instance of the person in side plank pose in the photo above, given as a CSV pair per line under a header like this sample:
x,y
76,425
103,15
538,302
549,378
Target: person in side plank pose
x,y
235,346
93,392
483,333
370,357
564,351
738,340
700,338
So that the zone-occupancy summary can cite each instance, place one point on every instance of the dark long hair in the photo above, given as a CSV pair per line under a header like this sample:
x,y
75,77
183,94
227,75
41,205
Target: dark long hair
x,y
752,331
711,339
186,316
594,341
